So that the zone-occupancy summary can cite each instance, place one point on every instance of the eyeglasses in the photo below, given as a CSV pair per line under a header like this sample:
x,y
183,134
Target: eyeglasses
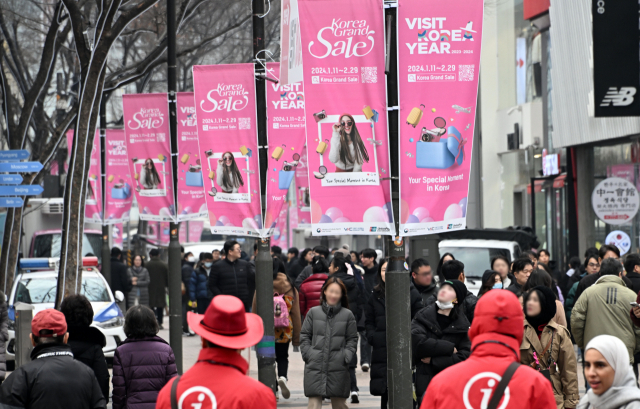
x,y
227,158
348,123
592,265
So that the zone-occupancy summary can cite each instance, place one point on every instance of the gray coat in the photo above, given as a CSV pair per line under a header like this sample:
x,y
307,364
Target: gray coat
x,y
142,286
328,341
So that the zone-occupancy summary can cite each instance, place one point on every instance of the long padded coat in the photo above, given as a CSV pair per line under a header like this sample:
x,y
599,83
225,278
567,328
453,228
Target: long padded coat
x,y
328,342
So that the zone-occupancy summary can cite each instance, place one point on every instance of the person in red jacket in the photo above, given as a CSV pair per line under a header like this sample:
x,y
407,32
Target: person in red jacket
x,y
496,334
311,288
218,379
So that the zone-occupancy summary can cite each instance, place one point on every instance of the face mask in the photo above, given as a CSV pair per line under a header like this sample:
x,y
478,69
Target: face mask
x,y
497,286
208,264
444,305
191,259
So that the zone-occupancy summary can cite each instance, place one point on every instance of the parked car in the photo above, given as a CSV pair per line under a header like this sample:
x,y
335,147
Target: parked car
x,y
35,284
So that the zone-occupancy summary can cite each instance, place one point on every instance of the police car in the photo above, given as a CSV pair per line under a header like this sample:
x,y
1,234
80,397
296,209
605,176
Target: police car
x,y
35,284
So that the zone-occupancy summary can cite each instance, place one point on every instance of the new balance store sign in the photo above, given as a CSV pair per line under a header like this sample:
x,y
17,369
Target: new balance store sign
x,y
616,57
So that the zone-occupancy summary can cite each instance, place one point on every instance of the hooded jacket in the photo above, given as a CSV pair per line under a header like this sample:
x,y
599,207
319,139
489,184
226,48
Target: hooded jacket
x,y
237,278
564,375
469,304
590,279
283,335
141,368
328,342
311,291
495,334
604,308
221,373
429,340
52,380
370,279
86,344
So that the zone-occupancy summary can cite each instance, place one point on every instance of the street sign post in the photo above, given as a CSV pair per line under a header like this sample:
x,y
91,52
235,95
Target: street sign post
x,y
10,179
20,167
11,202
21,190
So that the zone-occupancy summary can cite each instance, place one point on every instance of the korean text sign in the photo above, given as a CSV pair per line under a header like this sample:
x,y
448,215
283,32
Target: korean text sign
x,y
146,125
345,110
119,183
438,66
228,145
286,133
191,201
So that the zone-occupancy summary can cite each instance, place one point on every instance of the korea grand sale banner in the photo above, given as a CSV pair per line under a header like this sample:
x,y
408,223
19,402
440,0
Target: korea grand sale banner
x,y
93,201
118,182
438,66
228,145
303,204
146,125
191,202
346,115
286,135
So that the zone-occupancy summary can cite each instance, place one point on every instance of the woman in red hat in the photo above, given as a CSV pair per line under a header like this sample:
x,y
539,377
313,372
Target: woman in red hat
x,y
328,341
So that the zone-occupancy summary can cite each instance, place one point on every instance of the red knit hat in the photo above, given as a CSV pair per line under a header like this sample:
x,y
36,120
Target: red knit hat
x,y
498,311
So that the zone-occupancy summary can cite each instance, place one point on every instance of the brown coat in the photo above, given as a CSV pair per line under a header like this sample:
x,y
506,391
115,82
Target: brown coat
x,y
564,375
281,286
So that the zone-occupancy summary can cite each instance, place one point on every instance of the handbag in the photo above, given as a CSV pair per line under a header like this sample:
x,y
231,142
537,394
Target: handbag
x,y
502,385
174,390
546,372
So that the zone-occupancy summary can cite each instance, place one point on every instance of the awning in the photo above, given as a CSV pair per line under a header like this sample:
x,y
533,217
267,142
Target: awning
x,y
558,183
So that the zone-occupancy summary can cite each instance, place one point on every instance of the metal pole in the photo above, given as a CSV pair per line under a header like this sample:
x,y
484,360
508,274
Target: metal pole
x,y
23,347
266,349
106,251
175,276
399,373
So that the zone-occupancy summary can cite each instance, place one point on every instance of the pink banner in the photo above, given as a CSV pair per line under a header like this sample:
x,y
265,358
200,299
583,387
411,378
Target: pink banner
x,y
191,201
153,235
119,184
146,120
303,204
228,140
194,227
93,201
286,133
343,61
438,66
165,233
280,230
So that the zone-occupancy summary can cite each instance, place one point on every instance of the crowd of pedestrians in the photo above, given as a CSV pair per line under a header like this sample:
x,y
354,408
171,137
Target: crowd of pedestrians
x,y
514,346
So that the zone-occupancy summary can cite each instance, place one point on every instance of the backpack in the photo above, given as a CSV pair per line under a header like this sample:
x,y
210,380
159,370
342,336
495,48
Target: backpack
x,y
280,312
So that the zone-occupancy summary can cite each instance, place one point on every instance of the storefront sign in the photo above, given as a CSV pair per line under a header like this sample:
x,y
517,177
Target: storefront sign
x,y
286,133
550,163
119,183
227,135
619,239
146,126
345,109
290,45
191,201
616,58
438,67
303,203
615,201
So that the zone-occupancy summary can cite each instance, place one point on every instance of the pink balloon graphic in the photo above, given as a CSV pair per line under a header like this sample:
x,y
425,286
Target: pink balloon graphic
x,y
229,225
375,214
334,213
404,211
325,219
421,213
316,211
427,220
453,212
342,220
224,220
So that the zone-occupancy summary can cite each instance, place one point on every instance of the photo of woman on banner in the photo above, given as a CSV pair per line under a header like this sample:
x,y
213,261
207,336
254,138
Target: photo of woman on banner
x,y
228,175
149,177
347,151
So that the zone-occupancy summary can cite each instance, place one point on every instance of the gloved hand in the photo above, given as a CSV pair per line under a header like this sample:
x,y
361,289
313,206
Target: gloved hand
x,y
193,304
296,349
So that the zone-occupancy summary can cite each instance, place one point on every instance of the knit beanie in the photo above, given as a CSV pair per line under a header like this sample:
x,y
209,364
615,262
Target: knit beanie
x,y
547,306
459,288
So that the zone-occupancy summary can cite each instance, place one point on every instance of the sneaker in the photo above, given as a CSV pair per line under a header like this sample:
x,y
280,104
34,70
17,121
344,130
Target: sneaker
x,y
354,397
365,367
282,383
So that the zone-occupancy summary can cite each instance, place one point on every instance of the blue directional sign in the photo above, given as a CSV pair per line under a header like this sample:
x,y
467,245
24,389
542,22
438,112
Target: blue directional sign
x,y
11,202
21,167
10,179
14,155
22,190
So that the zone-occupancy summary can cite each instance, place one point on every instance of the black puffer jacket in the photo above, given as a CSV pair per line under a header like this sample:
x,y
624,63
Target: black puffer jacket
x,y
426,292
237,278
370,279
470,301
328,342
119,277
52,380
86,344
429,340
376,325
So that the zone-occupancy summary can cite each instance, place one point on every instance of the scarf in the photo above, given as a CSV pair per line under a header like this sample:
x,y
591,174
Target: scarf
x,y
547,307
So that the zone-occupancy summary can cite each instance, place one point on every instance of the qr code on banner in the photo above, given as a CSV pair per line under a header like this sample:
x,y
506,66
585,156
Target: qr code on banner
x,y
160,137
465,72
244,123
369,75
